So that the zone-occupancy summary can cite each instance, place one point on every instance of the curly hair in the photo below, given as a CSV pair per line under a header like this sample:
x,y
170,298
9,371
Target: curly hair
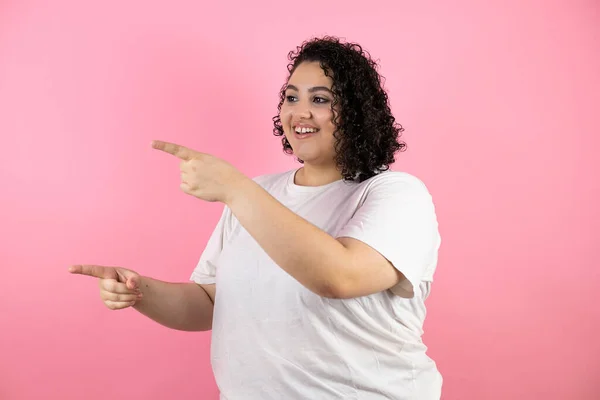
x,y
366,133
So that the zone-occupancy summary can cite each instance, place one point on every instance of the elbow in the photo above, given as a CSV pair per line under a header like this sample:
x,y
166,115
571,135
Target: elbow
x,y
337,289
337,283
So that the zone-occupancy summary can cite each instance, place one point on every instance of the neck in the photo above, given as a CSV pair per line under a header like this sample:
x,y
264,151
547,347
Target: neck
x,y
311,175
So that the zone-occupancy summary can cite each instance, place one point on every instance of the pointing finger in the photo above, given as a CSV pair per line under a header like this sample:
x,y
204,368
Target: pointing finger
x,y
96,271
178,151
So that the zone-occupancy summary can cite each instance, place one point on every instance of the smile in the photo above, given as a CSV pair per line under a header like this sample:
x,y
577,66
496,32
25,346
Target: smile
x,y
302,130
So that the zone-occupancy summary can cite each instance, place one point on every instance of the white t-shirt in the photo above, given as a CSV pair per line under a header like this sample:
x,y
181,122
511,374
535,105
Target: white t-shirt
x,y
272,338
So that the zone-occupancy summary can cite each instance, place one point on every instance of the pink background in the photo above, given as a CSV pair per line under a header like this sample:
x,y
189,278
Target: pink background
x,y
497,99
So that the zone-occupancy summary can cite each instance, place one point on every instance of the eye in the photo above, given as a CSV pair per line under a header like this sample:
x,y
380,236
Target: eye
x,y
290,99
321,100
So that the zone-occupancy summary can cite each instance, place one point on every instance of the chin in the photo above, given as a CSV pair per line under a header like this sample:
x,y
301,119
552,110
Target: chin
x,y
307,159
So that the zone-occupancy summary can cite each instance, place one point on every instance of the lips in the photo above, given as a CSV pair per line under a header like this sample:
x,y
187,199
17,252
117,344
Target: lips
x,y
302,136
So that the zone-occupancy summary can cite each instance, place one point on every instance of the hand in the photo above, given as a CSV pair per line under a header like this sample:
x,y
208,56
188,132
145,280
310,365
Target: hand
x,y
202,175
119,287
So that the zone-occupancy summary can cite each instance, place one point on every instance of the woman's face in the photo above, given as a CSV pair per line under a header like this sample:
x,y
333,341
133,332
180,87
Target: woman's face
x,y
306,115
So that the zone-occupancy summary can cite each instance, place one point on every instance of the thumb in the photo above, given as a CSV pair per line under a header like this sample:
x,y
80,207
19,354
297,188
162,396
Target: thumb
x,y
133,282
129,277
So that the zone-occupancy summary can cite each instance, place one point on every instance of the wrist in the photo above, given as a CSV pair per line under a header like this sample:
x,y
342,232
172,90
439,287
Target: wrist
x,y
236,189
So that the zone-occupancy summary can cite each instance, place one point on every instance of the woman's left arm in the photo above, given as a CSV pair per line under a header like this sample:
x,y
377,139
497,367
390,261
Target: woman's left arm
x,y
336,268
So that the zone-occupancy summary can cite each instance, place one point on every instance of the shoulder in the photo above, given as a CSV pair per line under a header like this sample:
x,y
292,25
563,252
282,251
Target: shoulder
x,y
396,183
269,179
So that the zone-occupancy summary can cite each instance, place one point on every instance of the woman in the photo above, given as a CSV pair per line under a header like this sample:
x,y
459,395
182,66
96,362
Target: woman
x,y
314,280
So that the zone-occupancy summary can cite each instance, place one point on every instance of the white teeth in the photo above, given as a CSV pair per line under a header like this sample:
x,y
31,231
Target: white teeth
x,y
305,130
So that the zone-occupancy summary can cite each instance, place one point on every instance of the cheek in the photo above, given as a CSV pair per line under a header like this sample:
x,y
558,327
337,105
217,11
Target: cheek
x,y
324,117
285,113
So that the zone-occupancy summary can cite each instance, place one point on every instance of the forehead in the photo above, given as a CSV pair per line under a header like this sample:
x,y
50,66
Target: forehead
x,y
309,74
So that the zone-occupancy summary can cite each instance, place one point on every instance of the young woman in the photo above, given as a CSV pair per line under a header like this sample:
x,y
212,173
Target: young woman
x,y
314,281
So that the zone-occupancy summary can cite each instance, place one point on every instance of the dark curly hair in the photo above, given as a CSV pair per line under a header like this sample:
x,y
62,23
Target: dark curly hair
x,y
366,133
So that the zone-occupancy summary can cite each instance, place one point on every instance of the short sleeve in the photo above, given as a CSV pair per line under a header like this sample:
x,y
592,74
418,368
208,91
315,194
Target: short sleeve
x,y
398,219
206,269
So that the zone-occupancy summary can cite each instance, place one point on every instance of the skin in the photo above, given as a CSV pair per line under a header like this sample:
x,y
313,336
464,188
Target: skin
x,y
308,103
334,268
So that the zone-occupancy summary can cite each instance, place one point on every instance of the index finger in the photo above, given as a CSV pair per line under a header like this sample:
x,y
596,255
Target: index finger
x,y
96,271
178,151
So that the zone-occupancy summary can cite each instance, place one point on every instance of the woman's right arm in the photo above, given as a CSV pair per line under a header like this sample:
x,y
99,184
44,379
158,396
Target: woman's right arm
x,y
181,306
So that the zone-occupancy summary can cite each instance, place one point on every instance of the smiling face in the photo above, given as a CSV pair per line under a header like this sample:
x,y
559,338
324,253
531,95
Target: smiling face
x,y
306,115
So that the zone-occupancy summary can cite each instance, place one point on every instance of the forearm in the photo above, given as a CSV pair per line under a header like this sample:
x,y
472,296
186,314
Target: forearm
x,y
307,253
181,306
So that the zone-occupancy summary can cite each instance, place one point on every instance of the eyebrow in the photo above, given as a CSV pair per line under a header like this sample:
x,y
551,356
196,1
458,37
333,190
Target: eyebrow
x,y
312,89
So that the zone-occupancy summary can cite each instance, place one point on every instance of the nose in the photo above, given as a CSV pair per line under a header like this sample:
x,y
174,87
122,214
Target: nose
x,y
303,112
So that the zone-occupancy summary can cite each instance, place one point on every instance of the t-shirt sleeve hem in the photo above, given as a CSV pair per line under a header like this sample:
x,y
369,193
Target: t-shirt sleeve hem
x,y
400,288
202,279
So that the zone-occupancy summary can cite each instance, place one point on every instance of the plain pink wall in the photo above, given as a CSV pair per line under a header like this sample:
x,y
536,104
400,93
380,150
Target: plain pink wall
x,y
497,99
